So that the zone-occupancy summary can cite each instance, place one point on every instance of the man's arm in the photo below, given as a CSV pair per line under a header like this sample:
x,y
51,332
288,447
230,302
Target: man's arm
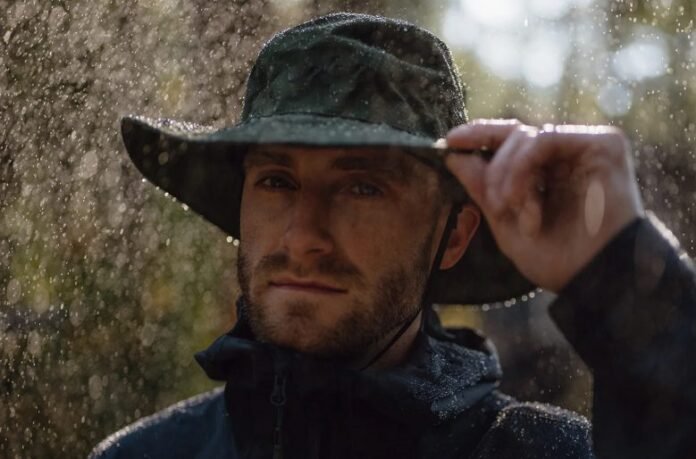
x,y
563,205
631,315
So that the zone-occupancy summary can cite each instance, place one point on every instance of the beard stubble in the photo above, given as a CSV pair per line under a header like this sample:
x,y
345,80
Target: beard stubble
x,y
395,298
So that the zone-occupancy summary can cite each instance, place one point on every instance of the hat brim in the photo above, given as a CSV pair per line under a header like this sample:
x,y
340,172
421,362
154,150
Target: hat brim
x,y
203,168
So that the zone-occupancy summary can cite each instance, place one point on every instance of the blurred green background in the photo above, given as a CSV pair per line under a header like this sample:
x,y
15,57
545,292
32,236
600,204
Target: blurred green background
x,y
108,287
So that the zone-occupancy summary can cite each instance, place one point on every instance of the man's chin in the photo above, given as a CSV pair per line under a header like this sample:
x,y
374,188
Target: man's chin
x,y
339,330
303,335
293,326
297,333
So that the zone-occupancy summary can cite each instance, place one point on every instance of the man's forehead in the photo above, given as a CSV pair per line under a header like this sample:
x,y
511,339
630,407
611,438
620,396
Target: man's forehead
x,y
388,160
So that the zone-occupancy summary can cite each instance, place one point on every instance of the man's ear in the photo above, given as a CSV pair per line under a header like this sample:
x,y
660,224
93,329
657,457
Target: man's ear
x,y
468,221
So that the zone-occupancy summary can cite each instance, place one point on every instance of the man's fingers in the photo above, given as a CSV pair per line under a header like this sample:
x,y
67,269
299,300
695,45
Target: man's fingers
x,y
512,184
499,169
521,179
554,146
485,182
530,216
481,134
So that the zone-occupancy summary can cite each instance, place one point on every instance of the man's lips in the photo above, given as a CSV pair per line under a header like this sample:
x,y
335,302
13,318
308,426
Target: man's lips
x,y
308,286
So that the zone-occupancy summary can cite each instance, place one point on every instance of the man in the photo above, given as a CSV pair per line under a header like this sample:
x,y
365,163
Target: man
x,y
353,220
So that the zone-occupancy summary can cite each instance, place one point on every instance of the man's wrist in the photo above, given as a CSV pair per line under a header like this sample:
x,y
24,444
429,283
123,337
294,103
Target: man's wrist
x,y
618,299
598,284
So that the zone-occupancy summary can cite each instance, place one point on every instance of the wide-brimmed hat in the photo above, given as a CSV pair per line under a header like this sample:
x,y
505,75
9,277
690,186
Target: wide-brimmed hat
x,y
342,80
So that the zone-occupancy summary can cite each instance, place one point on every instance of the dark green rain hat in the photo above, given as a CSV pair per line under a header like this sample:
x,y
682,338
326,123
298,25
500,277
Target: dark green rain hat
x,y
342,80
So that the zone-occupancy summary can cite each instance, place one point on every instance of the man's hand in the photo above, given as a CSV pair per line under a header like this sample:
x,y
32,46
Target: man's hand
x,y
553,197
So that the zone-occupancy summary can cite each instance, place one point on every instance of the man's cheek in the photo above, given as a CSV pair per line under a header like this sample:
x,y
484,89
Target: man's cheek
x,y
372,252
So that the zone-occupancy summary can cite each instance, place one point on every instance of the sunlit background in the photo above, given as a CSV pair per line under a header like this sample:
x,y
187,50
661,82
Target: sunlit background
x,y
108,287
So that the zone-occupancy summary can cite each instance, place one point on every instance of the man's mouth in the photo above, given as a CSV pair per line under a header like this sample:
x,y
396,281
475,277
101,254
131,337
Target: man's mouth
x,y
306,286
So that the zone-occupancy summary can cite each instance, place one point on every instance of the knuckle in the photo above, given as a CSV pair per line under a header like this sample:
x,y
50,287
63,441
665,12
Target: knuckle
x,y
497,121
545,136
617,142
613,131
457,132
512,123
526,131
516,133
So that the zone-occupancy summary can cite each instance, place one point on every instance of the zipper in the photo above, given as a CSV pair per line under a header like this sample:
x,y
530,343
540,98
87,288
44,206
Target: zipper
x,y
278,401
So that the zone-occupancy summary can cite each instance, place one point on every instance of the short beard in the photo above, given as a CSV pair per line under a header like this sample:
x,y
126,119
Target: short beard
x,y
396,300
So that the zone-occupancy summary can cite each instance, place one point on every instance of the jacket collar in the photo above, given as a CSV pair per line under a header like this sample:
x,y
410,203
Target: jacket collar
x,y
446,372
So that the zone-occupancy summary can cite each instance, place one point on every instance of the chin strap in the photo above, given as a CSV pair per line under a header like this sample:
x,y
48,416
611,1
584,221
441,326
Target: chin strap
x,y
427,299
429,293
391,342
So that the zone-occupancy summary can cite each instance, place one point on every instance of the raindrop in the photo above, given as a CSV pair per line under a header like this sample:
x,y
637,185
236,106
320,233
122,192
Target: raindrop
x,y
14,291
34,343
95,387
88,165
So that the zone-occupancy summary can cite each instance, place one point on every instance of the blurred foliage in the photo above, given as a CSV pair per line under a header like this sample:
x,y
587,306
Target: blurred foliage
x,y
107,287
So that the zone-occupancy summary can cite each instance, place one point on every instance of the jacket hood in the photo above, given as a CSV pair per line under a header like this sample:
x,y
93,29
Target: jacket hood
x,y
446,372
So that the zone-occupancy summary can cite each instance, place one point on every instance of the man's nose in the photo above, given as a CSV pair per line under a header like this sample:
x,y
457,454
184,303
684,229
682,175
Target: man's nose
x,y
307,233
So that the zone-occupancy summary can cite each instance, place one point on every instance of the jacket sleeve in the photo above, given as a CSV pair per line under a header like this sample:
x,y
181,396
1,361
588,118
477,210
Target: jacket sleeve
x,y
631,316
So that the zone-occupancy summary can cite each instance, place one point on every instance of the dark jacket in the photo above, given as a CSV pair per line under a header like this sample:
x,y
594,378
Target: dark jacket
x,y
629,313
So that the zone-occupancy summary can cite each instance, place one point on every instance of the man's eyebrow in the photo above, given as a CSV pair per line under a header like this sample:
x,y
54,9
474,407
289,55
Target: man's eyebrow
x,y
394,167
262,158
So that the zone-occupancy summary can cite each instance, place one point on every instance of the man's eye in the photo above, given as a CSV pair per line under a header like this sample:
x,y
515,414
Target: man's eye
x,y
276,182
365,189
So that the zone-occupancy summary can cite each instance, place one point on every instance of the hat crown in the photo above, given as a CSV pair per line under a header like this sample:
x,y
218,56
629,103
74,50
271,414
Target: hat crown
x,y
360,67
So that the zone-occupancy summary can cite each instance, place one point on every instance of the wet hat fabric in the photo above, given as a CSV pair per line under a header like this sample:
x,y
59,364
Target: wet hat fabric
x,y
342,80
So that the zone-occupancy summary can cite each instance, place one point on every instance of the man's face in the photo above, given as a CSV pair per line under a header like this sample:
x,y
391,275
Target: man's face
x,y
336,245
